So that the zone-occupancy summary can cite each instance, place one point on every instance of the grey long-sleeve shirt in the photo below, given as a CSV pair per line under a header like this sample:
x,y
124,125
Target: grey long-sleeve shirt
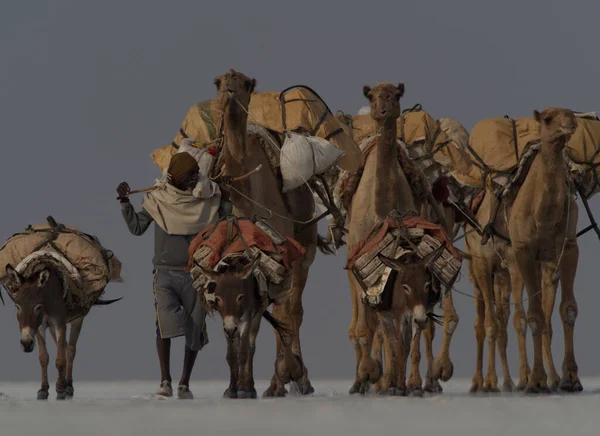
x,y
170,251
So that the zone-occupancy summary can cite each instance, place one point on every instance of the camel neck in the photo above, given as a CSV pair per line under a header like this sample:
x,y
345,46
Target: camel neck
x,y
387,162
551,154
235,121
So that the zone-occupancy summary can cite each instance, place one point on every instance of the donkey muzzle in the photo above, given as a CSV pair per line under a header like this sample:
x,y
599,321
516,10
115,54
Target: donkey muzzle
x,y
27,340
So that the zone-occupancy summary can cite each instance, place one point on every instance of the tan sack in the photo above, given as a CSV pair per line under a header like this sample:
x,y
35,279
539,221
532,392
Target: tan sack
x,y
95,265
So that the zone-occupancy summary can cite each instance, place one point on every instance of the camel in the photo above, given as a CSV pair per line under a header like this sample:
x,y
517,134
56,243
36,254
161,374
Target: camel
x,y
40,305
260,195
237,299
382,189
540,222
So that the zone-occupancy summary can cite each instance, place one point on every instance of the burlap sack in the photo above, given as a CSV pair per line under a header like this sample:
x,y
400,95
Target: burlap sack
x,y
454,157
203,122
96,266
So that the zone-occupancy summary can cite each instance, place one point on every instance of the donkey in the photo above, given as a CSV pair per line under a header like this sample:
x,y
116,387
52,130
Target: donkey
x,y
410,312
40,304
234,293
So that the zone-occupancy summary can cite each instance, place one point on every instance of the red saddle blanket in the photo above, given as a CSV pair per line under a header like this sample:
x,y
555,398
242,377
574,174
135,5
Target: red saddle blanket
x,y
216,238
366,244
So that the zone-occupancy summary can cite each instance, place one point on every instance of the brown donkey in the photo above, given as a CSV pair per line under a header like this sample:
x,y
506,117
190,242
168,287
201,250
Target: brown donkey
x,y
234,293
40,305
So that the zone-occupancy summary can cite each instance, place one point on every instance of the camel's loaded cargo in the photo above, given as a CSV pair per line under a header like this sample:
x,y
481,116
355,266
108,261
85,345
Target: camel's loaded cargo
x,y
424,139
85,265
219,244
393,237
496,156
297,110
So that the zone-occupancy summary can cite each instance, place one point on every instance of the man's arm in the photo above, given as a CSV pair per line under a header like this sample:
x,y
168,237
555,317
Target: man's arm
x,y
138,223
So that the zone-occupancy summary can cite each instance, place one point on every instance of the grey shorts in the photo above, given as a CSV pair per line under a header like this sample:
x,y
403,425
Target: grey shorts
x,y
178,310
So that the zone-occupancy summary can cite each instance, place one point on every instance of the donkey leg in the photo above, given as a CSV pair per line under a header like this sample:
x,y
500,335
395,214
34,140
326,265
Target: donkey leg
x,y
253,333
61,360
415,382
243,391
232,361
71,351
44,360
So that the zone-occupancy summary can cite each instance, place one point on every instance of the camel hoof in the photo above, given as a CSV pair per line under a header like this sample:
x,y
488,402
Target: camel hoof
x,y
269,393
417,393
508,386
433,387
246,395
569,386
521,386
69,391
355,388
475,388
42,394
230,394
536,389
305,389
401,392
553,386
392,391
443,371
364,388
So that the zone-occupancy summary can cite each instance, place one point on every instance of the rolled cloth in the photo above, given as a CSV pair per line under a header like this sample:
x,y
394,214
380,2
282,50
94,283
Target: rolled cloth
x,y
182,166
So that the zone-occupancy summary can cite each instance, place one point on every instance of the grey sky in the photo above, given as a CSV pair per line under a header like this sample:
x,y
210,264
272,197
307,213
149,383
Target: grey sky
x,y
89,89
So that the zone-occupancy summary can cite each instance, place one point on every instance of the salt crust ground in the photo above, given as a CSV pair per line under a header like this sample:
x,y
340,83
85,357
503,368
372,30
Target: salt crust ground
x,y
130,408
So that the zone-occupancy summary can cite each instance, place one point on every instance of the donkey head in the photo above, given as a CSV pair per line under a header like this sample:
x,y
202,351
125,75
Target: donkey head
x,y
416,282
232,292
26,292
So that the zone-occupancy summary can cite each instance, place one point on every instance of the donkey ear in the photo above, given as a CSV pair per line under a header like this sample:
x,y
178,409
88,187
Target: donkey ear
x,y
43,278
14,276
366,91
247,272
428,258
395,264
211,275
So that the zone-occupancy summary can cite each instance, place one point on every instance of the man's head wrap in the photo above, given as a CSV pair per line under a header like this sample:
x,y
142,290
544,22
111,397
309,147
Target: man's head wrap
x,y
182,167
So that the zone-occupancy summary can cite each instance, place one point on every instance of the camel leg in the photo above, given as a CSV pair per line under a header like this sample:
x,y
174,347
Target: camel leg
x,y
431,384
477,385
548,303
369,370
71,351
390,343
276,387
519,324
443,367
61,360
502,295
568,313
484,278
354,297
299,278
415,383
530,271
378,355
232,361
44,360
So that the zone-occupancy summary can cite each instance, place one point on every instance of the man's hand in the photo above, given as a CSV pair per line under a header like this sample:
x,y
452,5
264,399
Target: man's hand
x,y
123,190
223,180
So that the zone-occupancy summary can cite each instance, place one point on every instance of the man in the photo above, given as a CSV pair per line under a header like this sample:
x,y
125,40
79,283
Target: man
x,y
183,203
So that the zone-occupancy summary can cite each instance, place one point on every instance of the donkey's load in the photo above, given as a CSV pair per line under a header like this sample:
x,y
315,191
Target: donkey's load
x,y
249,239
85,265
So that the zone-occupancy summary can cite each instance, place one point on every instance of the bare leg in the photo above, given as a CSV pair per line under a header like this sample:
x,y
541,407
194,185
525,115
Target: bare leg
x,y
44,360
189,359
163,347
71,351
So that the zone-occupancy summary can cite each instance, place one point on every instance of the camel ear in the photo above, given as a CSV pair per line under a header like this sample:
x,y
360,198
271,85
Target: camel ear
x,y
400,88
366,91
250,85
16,278
537,116
218,82
43,278
211,275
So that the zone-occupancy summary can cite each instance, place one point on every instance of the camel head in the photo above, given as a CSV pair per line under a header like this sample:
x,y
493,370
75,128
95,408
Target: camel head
x,y
556,124
27,296
235,85
416,283
231,293
385,100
